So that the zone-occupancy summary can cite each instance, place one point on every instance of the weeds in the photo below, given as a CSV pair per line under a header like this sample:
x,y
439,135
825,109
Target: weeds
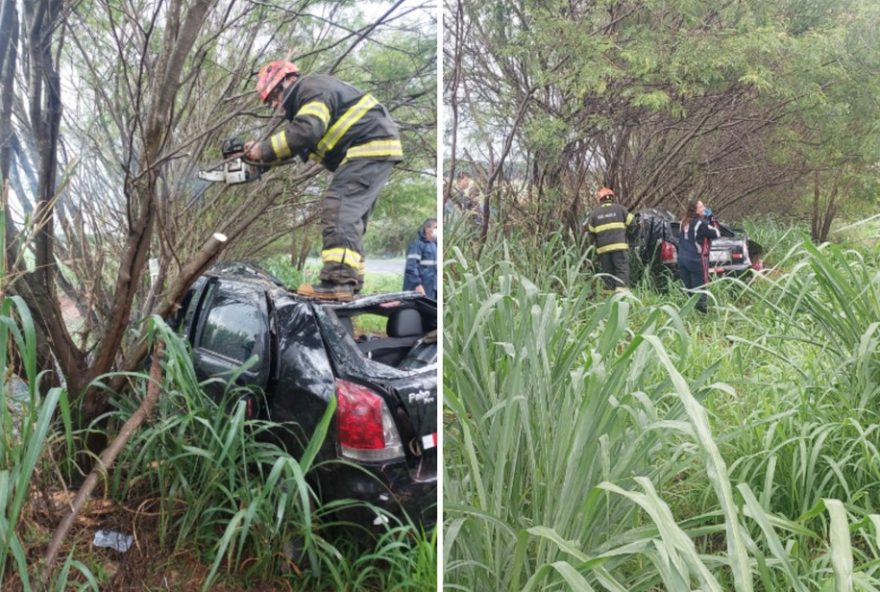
x,y
754,428
26,431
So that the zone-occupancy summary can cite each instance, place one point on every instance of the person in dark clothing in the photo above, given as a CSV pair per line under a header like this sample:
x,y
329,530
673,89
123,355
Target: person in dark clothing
x,y
421,262
351,134
607,226
693,249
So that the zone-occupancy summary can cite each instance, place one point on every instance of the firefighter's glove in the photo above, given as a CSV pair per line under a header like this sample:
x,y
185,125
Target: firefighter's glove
x,y
253,151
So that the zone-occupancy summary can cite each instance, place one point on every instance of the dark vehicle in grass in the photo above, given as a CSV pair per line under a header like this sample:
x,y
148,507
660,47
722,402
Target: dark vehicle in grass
x,y
307,353
656,241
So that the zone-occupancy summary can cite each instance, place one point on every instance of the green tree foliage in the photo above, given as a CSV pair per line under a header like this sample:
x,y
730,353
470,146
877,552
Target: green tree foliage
x,y
406,203
738,103
624,442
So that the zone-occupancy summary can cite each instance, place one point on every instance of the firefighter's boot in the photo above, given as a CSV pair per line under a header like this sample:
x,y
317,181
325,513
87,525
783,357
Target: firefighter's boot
x,y
327,291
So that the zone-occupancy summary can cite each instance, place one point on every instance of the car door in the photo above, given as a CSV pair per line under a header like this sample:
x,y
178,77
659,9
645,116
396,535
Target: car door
x,y
232,331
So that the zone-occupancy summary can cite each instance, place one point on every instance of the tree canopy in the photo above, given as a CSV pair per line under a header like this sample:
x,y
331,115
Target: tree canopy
x,y
751,106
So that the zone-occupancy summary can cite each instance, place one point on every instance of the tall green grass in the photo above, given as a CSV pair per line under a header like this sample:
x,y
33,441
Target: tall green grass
x,y
26,428
550,397
823,440
768,483
777,236
216,484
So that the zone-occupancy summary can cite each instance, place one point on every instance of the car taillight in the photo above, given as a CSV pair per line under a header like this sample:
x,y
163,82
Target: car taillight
x,y
737,256
364,425
667,252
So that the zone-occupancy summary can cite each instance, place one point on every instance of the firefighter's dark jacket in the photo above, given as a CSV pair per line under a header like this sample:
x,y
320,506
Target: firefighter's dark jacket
x,y
607,226
332,122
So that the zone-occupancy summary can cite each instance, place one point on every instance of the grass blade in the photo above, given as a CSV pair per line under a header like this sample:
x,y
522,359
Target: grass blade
x,y
841,547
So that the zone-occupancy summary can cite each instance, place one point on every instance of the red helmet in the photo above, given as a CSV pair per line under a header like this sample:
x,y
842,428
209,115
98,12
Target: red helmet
x,y
605,192
271,75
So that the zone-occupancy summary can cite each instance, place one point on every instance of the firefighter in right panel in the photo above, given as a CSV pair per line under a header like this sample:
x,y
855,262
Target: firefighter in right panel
x,y
608,226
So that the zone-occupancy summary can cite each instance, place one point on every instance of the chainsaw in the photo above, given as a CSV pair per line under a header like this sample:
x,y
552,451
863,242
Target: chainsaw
x,y
234,169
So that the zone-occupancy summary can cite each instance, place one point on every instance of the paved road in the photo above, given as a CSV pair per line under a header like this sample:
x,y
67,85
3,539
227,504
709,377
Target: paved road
x,y
386,265
395,265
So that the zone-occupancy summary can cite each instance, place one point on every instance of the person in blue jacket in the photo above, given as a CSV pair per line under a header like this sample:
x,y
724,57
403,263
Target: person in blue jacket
x,y
693,249
421,262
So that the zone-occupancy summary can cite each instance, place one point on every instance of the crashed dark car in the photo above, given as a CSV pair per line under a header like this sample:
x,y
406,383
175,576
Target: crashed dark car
x,y
307,353
656,241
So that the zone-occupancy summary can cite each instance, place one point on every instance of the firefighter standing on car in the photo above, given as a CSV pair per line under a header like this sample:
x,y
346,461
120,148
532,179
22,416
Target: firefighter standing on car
x,y
351,134
421,262
608,226
693,249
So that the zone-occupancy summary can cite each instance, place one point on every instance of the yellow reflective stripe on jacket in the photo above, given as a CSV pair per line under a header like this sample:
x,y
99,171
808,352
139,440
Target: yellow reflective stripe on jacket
x,y
609,226
375,149
390,147
315,109
280,146
629,219
344,256
344,123
612,247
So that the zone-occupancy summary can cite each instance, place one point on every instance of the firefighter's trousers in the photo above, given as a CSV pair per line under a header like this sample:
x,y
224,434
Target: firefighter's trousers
x,y
616,265
345,209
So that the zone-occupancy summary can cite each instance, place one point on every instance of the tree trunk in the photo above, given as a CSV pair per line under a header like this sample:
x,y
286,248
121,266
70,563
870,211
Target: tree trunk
x,y
822,217
8,56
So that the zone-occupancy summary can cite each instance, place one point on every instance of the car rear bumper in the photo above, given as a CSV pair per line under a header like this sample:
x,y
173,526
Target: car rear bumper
x,y
729,269
390,488
714,269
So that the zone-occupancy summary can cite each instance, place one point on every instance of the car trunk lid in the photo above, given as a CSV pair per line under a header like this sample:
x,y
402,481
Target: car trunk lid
x,y
417,394
728,252
416,415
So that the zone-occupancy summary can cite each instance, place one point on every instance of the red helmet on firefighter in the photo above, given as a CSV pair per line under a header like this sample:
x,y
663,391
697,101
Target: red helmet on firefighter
x,y
605,193
271,75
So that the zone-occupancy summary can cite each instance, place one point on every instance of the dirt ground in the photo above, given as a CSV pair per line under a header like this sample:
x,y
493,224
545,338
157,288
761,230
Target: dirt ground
x,y
146,566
